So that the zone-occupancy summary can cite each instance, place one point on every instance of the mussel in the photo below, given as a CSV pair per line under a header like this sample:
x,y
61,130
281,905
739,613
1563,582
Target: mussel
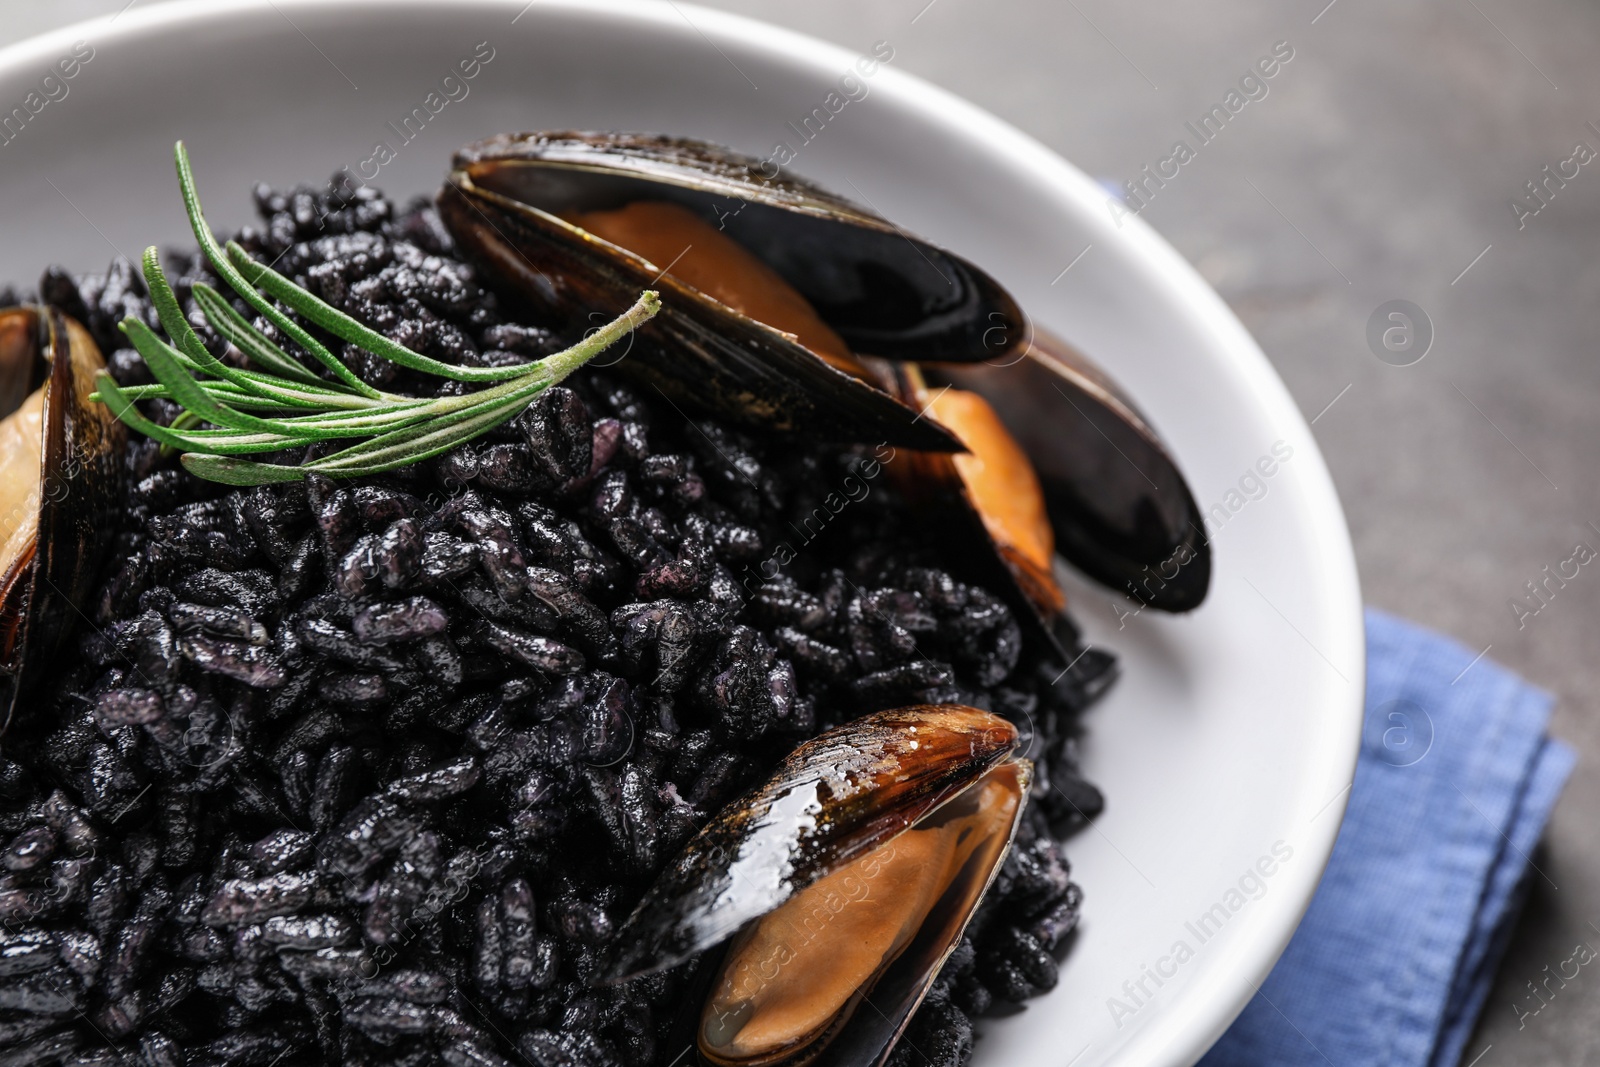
x,y
791,309
844,880
60,468
505,203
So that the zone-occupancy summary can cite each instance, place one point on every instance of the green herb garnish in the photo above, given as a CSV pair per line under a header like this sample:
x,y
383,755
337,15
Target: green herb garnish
x,y
285,405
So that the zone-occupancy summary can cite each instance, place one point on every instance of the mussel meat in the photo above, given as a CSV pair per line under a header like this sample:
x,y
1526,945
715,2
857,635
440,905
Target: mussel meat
x,y
847,878
990,492
60,466
792,309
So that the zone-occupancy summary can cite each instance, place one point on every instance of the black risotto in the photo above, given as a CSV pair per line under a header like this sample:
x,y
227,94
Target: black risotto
x,y
371,772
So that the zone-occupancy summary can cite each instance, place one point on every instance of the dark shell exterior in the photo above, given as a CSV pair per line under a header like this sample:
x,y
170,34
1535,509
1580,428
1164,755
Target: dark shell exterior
x,y
886,292
43,593
1121,509
832,799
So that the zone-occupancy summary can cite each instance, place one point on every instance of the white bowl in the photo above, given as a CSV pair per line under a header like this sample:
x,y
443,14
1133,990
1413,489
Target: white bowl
x,y
1233,731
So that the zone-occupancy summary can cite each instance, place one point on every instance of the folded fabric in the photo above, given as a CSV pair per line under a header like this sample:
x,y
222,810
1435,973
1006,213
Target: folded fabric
x,y
1398,950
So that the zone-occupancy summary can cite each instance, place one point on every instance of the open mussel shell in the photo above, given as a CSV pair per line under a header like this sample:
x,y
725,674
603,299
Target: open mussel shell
x,y
698,353
1121,509
821,876
886,292
57,501
834,798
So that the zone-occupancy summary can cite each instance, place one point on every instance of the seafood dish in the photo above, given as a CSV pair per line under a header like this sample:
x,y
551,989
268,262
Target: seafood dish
x,y
606,614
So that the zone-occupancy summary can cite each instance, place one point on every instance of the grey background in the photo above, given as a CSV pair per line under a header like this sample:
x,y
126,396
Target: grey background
x,y
1380,166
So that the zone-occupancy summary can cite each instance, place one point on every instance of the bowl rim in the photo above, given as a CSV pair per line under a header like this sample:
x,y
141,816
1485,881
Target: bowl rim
x,y
1209,1009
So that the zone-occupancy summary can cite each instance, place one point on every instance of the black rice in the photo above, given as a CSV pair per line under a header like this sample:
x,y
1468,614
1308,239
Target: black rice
x,y
370,773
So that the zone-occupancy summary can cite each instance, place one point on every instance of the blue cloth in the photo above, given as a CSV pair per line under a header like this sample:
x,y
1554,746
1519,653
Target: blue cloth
x,y
1397,952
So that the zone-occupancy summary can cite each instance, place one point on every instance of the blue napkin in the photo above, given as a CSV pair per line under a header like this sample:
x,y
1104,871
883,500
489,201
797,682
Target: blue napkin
x,y
1397,952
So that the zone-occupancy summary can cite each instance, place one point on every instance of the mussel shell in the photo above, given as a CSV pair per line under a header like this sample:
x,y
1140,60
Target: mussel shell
x,y
697,352
832,799
1121,509
886,292
42,594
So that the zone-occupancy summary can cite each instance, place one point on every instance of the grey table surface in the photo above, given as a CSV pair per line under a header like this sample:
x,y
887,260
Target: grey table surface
x,y
1381,165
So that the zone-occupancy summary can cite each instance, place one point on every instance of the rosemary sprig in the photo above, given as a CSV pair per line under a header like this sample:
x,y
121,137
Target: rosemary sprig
x,y
229,413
